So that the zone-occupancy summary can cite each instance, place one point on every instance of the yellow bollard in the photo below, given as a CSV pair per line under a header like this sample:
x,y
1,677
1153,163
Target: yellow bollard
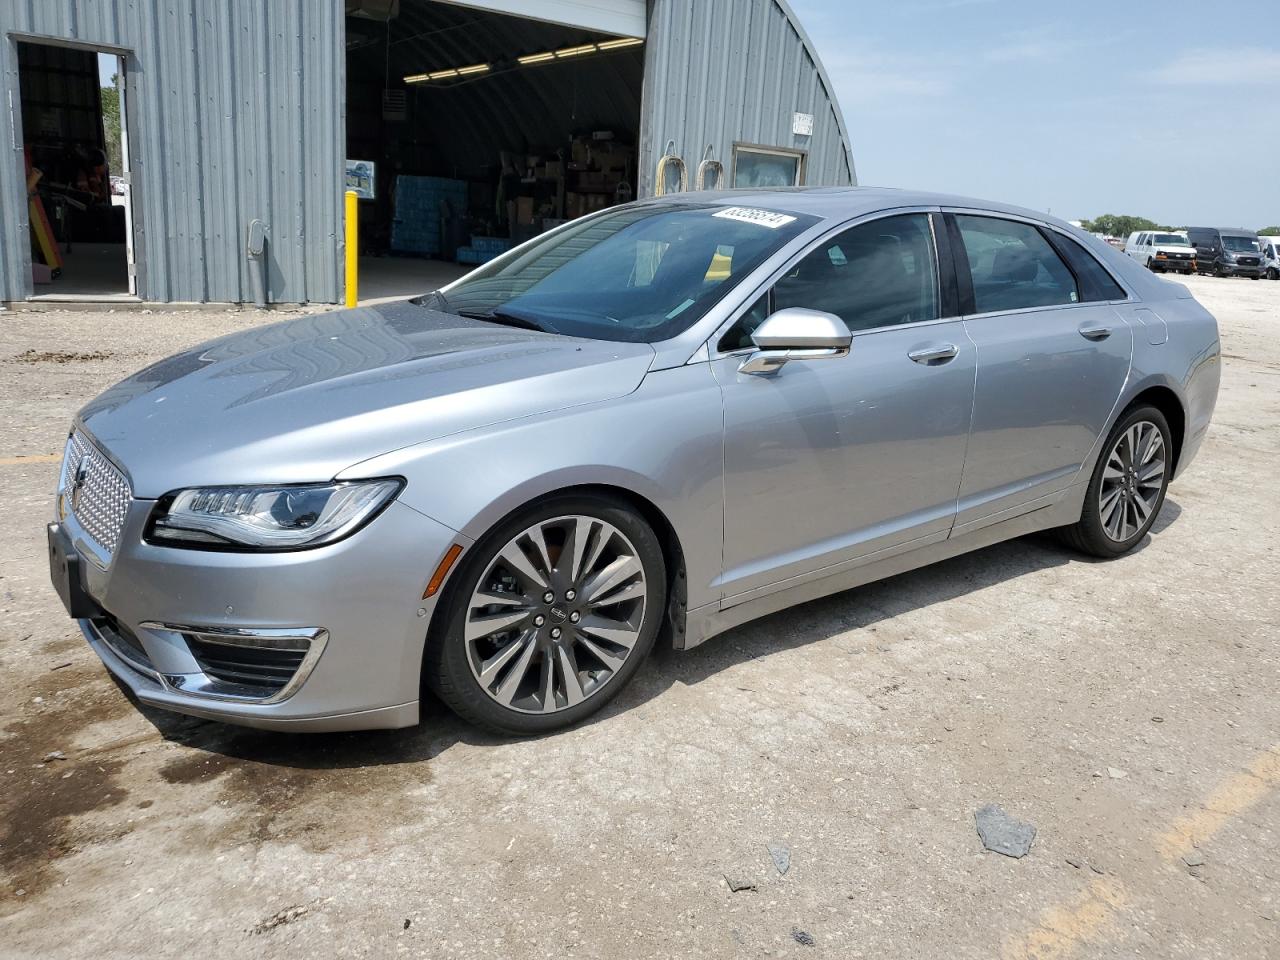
x,y
353,248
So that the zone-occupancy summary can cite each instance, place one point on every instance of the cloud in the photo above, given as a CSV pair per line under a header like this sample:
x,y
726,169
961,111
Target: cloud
x,y
1219,67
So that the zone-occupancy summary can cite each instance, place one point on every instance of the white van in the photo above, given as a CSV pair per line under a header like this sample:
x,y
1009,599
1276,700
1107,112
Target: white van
x,y
1270,257
1161,252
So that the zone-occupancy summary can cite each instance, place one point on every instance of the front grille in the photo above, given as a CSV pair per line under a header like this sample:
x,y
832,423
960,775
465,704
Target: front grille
x,y
1248,261
95,492
1178,256
268,668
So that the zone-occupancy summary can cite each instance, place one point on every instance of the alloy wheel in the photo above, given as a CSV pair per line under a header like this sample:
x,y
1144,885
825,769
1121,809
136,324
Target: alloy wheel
x,y
1132,480
556,614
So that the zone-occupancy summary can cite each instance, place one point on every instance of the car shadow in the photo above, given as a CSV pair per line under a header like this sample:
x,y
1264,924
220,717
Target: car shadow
x,y
859,608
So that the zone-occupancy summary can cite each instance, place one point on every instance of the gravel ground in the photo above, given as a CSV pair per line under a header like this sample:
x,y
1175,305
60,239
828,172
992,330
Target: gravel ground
x,y
1128,710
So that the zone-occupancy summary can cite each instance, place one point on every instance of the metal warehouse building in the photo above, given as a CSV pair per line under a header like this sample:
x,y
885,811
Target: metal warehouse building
x,y
466,125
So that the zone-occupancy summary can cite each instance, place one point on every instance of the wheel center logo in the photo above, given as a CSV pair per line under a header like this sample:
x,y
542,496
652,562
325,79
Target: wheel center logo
x,y
558,614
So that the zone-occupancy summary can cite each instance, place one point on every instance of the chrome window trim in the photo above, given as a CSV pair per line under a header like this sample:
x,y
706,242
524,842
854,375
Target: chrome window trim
x,y
748,302
200,684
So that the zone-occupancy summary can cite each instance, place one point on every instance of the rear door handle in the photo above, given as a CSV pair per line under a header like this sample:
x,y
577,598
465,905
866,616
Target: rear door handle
x,y
1095,331
934,355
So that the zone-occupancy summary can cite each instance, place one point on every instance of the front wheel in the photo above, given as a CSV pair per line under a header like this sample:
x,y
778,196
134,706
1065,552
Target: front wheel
x,y
1273,273
1128,486
549,617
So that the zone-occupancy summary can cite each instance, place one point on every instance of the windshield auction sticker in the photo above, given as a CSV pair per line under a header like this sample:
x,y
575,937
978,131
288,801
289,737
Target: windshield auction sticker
x,y
763,218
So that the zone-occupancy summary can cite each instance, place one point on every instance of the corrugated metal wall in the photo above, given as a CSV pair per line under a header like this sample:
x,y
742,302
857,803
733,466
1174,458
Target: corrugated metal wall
x,y
724,71
235,111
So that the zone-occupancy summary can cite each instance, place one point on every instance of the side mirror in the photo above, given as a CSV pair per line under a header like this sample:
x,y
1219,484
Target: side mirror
x,y
795,333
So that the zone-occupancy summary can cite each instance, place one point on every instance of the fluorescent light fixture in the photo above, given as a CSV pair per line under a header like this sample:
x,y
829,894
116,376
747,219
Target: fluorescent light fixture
x,y
564,53
575,51
475,68
619,44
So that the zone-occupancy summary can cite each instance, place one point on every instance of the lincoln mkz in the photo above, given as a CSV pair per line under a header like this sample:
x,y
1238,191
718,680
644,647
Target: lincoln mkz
x,y
661,420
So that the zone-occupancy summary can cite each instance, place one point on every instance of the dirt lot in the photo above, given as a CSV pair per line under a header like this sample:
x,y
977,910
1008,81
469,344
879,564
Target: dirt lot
x,y
1129,710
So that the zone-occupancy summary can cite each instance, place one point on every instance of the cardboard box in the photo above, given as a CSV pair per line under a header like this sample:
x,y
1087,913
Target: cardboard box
x,y
524,211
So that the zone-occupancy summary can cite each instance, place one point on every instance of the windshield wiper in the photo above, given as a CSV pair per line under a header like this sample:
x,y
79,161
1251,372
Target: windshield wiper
x,y
435,300
509,319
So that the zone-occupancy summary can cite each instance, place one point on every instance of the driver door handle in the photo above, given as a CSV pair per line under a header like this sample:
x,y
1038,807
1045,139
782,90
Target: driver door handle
x,y
934,355
1095,331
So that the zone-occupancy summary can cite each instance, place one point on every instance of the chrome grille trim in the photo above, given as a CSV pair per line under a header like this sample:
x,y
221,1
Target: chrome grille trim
x,y
101,502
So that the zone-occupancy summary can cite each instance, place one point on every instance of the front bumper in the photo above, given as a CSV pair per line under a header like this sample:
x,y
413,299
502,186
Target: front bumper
x,y
352,611
1239,270
1170,263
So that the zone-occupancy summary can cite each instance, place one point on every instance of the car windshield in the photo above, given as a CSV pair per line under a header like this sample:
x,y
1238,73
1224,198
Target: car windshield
x,y
636,274
1171,240
1239,244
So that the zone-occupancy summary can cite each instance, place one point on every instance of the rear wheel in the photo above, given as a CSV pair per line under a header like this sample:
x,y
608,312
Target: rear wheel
x,y
1128,486
550,616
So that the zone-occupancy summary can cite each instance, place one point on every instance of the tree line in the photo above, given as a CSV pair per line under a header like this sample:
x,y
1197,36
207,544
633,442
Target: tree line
x,y
1114,225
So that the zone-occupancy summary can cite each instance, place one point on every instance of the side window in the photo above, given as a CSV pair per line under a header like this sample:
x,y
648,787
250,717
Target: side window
x,y
739,337
1013,266
876,274
1096,282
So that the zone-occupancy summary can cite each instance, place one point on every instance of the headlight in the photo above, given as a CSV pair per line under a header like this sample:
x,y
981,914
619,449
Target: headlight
x,y
268,517
1229,257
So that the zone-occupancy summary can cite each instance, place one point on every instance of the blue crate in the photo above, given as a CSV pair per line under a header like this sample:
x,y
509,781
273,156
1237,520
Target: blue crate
x,y
415,227
491,245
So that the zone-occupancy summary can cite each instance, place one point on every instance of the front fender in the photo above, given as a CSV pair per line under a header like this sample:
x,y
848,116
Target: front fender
x,y
663,442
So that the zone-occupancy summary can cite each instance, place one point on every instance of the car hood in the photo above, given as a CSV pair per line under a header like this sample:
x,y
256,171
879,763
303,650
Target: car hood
x,y
1172,248
300,401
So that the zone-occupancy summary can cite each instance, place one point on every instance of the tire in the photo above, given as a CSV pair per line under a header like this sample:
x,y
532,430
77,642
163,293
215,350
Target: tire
x,y
1273,273
551,647
1151,265
1090,534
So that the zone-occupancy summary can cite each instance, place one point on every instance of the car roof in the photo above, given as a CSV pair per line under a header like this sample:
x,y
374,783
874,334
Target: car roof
x,y
844,203
1225,231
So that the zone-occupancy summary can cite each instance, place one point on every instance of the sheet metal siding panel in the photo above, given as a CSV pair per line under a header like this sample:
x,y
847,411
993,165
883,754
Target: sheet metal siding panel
x,y
236,111
724,71
622,17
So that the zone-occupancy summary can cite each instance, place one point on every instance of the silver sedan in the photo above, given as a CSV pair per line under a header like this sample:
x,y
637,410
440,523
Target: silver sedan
x,y
664,420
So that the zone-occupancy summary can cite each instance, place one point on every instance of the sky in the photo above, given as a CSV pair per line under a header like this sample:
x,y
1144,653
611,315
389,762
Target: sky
x,y
1077,108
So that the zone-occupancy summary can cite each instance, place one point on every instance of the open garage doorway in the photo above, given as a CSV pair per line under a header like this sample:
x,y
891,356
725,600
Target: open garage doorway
x,y
75,157
473,131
